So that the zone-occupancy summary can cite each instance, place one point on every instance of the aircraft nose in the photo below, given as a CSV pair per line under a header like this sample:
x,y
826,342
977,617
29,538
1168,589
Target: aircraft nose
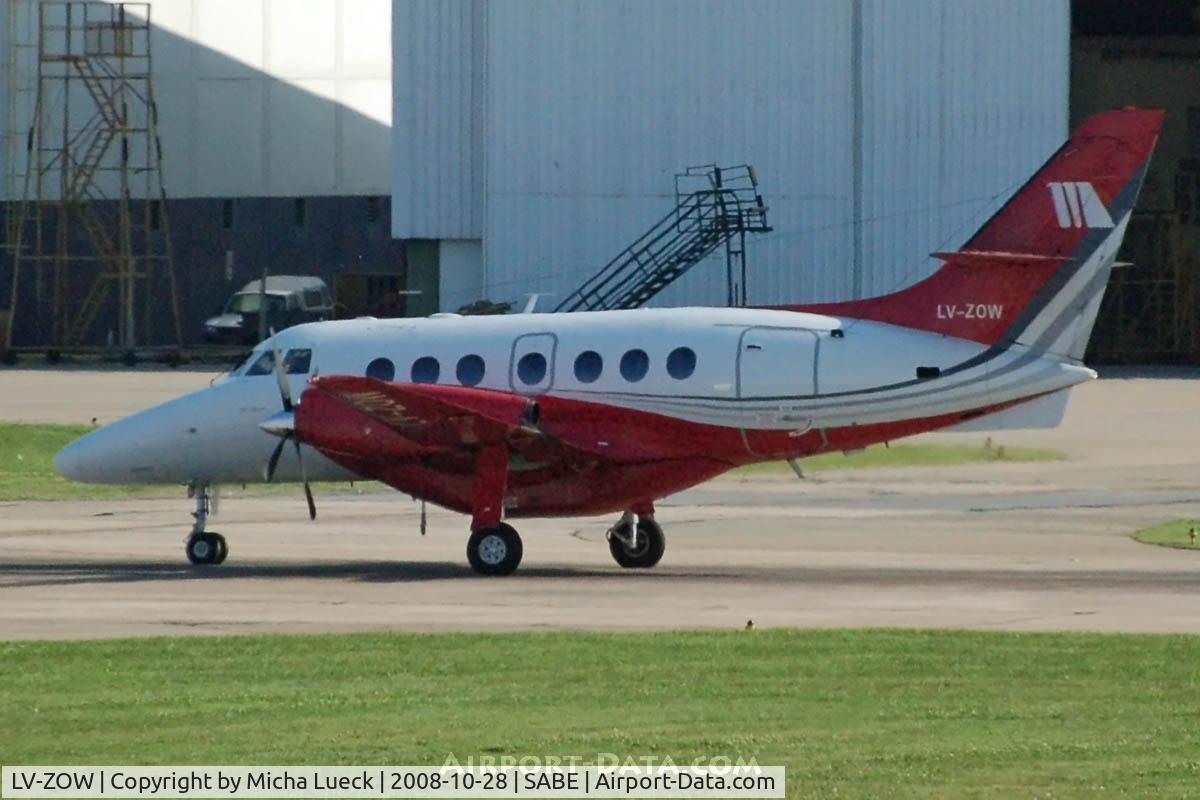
x,y
78,460
142,448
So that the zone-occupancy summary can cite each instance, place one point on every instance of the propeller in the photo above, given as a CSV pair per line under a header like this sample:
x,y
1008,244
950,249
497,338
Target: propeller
x,y
283,425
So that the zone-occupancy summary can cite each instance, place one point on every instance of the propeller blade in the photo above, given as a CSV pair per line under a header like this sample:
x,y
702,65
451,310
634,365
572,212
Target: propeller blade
x,y
308,495
285,391
273,462
312,506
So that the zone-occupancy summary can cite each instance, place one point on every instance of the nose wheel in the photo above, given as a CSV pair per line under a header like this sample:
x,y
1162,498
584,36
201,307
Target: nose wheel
x,y
494,550
204,547
207,548
636,542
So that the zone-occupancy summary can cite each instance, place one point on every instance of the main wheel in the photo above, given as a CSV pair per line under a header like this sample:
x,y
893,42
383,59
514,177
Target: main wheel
x,y
206,548
646,552
494,551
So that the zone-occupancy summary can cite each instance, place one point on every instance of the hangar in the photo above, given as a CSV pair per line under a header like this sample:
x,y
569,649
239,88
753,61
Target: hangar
x,y
516,148
274,120
533,141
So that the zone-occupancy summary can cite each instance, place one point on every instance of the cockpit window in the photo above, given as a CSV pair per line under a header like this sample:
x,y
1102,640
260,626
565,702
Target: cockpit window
x,y
263,365
295,362
298,361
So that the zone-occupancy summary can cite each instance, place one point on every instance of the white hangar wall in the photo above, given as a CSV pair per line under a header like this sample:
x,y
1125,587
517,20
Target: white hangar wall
x,y
543,136
256,98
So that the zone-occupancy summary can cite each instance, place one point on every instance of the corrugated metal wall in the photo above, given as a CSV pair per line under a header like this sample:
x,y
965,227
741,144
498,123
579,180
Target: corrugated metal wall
x,y
268,97
437,57
593,106
961,102
911,117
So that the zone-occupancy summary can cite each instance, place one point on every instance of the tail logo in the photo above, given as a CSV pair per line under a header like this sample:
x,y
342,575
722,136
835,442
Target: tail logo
x,y
1077,205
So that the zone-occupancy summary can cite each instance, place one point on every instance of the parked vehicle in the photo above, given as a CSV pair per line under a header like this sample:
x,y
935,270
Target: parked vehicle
x,y
288,299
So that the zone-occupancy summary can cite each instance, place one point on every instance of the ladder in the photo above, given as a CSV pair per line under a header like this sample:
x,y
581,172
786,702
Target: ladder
x,y
721,211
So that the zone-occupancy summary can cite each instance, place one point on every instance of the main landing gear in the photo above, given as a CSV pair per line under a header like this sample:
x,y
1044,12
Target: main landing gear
x,y
636,541
494,549
204,547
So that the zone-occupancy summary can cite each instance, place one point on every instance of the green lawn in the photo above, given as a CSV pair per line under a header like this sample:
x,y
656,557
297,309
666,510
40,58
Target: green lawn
x,y
1178,533
860,713
27,471
913,455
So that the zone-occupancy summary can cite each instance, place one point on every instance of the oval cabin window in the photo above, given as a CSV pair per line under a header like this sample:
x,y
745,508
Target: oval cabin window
x,y
470,370
681,363
531,369
381,369
634,365
588,366
426,370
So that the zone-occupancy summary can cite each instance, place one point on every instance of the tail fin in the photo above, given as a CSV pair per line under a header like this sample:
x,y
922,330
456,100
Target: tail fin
x,y
1035,273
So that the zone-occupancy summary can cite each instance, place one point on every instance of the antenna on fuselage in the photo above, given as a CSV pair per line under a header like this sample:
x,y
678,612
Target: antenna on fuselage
x,y
532,302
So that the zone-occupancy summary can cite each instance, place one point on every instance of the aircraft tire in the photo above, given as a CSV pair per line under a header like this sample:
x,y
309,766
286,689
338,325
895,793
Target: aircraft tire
x,y
222,548
204,548
651,546
495,550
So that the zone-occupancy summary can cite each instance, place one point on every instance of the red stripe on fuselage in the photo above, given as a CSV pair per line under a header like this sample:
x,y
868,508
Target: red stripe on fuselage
x,y
684,455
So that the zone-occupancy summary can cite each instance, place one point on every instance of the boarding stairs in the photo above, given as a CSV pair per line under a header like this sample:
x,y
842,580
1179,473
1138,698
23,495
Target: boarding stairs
x,y
715,206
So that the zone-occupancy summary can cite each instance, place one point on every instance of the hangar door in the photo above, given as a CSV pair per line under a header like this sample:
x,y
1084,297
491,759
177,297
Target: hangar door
x,y
777,362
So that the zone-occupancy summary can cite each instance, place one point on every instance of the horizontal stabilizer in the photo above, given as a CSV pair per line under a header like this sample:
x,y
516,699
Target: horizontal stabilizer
x,y
1042,412
989,258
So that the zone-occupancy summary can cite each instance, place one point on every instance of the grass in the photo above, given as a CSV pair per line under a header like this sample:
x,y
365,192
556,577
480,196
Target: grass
x,y
913,455
1178,533
850,713
27,469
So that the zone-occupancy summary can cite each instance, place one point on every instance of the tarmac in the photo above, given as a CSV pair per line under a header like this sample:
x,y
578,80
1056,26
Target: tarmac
x,y
1017,546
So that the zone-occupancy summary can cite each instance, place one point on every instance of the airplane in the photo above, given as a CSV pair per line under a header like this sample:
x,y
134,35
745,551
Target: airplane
x,y
552,415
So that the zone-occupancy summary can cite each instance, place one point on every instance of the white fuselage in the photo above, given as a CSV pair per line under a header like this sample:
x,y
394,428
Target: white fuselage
x,y
748,369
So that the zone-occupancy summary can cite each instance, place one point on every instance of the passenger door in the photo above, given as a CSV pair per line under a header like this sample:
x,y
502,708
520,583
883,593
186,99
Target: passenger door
x,y
777,363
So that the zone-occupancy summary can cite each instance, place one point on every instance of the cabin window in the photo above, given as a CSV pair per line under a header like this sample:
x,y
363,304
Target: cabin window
x,y
531,369
470,370
634,365
426,369
381,369
588,366
681,363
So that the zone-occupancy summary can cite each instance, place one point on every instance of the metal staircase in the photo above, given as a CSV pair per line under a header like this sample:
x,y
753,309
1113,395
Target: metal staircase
x,y
714,206
89,236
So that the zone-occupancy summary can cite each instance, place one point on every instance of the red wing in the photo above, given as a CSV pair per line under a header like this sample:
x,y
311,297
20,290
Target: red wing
x,y
427,418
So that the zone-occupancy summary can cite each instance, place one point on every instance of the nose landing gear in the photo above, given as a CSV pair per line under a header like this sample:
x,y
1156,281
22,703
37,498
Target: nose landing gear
x,y
207,548
204,547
